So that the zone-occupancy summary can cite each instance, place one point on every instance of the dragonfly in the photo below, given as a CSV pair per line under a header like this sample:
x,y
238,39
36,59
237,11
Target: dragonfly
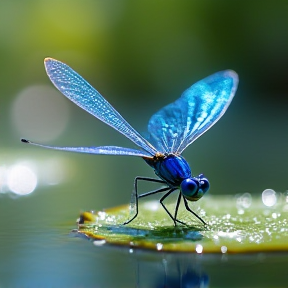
x,y
170,131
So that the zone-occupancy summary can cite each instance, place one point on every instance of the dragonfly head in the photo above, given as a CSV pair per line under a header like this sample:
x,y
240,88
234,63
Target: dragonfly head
x,y
194,188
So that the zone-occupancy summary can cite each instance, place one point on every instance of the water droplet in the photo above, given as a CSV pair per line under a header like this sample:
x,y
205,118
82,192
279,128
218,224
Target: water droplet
x,y
159,246
199,248
99,242
269,197
224,249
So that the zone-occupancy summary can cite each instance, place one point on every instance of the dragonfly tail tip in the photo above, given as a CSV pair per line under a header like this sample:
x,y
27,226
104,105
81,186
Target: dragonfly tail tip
x,y
25,141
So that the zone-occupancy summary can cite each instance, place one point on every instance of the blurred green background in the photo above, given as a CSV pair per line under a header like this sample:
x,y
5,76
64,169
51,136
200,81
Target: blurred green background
x,y
140,55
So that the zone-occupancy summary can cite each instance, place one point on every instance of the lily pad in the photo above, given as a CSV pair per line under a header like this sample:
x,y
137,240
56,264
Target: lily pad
x,y
236,224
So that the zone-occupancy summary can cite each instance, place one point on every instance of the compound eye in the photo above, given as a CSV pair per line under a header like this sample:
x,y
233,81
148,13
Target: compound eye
x,y
204,185
189,188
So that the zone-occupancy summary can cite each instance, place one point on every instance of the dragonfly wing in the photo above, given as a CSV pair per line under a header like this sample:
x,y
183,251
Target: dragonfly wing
x,y
78,90
178,124
106,150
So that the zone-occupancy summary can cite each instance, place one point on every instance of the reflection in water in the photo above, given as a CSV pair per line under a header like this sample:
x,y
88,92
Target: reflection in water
x,y
172,271
190,270
191,278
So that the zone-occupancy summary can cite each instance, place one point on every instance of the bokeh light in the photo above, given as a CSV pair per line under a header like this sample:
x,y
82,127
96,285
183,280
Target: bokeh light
x,y
40,112
21,179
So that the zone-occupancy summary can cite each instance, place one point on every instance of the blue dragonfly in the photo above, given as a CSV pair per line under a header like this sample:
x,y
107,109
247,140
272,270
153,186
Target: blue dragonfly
x,y
170,130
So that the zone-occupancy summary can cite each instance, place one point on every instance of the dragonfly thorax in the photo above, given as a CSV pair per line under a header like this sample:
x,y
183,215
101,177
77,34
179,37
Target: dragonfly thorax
x,y
175,170
171,168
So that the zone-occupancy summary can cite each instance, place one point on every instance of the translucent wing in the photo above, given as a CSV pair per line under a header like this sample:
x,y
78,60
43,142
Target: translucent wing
x,y
178,124
106,150
78,90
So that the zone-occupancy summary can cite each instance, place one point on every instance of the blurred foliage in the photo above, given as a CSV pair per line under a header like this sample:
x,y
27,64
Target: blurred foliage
x,y
141,55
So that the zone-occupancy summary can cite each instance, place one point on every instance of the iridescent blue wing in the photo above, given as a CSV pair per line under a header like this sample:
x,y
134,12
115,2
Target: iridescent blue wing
x,y
78,90
106,150
178,124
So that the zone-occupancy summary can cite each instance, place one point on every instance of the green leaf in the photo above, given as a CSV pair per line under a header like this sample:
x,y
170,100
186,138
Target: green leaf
x,y
236,224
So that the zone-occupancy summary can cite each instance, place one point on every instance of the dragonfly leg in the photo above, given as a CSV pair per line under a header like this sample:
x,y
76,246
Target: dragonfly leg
x,y
154,192
176,210
167,211
135,192
189,209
